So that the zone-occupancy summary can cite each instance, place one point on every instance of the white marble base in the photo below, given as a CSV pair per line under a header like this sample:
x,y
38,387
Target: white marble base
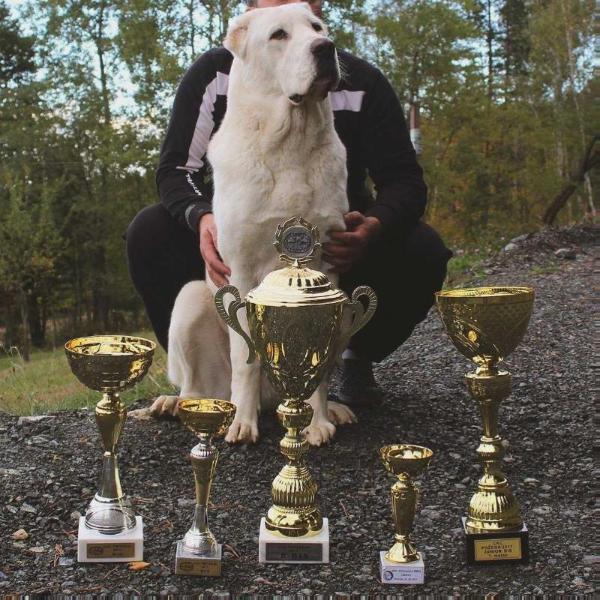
x,y
402,573
273,548
187,563
93,546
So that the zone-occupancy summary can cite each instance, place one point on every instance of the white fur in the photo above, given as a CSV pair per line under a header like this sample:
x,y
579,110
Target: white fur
x,y
271,160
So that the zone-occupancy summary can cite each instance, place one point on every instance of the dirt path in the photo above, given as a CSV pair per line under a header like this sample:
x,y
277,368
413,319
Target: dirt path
x,y
48,469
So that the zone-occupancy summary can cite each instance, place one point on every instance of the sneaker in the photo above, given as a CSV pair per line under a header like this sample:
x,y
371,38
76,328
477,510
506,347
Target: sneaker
x,y
357,385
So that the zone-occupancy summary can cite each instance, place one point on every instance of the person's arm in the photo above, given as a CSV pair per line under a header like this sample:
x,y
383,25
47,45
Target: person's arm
x,y
391,161
182,167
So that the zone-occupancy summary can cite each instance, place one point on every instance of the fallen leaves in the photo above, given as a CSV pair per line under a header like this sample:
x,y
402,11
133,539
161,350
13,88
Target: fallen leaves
x,y
138,565
20,534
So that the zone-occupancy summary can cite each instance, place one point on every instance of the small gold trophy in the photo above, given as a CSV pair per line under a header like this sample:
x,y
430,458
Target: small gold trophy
x,y
295,321
402,564
486,324
198,552
110,532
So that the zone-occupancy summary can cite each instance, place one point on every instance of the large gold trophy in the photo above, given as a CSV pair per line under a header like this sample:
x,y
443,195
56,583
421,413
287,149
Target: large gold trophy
x,y
402,563
110,531
198,553
486,324
295,321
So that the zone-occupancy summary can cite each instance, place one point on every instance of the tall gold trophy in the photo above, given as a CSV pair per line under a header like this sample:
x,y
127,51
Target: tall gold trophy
x,y
295,321
110,531
486,324
402,563
198,552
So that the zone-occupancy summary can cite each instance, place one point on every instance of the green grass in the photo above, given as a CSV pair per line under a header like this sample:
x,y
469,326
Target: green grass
x,y
465,267
45,383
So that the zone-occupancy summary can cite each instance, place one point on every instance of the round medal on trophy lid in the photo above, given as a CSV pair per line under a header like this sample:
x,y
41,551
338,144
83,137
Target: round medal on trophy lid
x,y
297,240
296,284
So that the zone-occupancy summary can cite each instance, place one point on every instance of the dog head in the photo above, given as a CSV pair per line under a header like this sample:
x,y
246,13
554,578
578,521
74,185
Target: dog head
x,y
285,51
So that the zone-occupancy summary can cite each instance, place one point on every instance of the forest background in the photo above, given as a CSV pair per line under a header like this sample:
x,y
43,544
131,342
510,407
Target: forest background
x,y
505,90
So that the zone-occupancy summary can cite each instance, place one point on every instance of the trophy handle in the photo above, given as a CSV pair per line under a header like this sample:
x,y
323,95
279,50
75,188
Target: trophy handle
x,y
361,316
229,315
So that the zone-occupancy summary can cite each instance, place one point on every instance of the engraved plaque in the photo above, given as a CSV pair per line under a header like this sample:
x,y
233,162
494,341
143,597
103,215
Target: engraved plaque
x,y
498,549
294,552
110,550
199,567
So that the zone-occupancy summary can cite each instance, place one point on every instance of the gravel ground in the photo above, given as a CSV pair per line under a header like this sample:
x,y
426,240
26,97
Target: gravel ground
x,y
48,468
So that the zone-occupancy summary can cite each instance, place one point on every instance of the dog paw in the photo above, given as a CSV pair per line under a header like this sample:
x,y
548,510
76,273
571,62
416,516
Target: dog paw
x,y
340,414
319,433
242,431
140,414
164,406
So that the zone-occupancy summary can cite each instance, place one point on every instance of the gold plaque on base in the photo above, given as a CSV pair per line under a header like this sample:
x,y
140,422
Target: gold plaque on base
x,y
188,563
497,548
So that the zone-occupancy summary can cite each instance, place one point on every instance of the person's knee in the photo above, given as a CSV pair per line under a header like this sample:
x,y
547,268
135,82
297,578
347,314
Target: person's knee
x,y
425,247
149,230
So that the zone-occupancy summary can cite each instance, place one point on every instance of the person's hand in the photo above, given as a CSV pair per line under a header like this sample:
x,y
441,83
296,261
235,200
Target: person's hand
x,y
348,247
216,269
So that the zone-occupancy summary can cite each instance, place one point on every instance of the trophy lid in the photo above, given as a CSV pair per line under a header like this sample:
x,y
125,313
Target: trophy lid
x,y
297,242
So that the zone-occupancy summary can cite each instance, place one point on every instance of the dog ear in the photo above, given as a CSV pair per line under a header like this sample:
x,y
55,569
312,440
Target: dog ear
x,y
235,40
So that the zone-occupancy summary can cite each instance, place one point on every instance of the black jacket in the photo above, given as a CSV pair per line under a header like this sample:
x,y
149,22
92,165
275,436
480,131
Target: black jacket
x,y
368,119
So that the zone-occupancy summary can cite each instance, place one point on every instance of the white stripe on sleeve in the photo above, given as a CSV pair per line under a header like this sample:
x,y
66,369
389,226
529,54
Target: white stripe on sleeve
x,y
346,100
205,123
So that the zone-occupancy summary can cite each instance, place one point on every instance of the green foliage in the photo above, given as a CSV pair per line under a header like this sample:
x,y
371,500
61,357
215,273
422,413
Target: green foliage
x,y
506,98
16,50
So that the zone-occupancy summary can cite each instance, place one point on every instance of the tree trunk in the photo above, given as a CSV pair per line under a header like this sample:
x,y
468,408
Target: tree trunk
x,y
100,297
490,51
36,325
590,159
26,341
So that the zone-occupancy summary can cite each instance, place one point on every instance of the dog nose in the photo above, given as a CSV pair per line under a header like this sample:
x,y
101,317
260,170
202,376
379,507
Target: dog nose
x,y
322,48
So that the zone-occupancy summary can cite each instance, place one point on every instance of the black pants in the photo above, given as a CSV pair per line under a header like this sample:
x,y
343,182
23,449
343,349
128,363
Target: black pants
x,y
163,257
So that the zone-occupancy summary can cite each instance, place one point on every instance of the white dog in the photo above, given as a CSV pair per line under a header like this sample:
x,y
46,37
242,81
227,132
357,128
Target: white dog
x,y
275,155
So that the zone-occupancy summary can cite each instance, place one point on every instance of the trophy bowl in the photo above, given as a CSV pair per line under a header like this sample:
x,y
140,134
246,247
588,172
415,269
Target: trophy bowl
x,y
406,458
109,363
405,461
486,324
206,416
198,552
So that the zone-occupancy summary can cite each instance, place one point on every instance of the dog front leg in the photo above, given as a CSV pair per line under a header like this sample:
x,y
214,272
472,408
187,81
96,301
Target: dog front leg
x,y
326,415
245,385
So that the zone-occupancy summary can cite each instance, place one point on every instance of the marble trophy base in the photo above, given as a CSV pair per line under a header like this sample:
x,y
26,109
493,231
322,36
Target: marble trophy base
x,y
187,563
93,546
402,573
497,548
273,548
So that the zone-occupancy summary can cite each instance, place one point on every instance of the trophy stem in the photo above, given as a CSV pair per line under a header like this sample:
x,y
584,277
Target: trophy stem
x,y
198,539
294,512
404,503
493,507
109,512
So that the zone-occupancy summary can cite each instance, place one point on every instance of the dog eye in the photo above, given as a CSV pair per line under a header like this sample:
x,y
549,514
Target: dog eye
x,y
280,34
317,27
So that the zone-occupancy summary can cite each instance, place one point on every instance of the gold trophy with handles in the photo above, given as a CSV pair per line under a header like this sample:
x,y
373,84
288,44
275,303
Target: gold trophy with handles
x,y
295,320
486,324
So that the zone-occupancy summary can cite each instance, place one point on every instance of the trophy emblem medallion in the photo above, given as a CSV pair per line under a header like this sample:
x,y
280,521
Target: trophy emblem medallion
x,y
402,563
110,531
295,319
486,324
198,553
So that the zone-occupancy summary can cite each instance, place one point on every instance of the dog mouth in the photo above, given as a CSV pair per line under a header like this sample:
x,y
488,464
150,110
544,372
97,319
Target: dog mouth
x,y
319,88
